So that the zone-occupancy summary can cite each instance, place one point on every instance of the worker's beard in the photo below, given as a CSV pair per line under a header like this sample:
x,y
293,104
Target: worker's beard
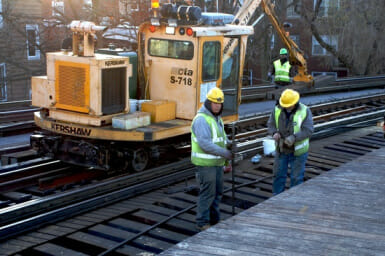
x,y
208,106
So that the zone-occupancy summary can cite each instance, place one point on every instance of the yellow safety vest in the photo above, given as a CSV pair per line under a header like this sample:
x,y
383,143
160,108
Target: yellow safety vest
x,y
300,147
282,71
198,156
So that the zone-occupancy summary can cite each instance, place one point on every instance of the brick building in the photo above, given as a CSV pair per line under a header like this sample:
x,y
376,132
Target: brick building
x,y
29,29
20,54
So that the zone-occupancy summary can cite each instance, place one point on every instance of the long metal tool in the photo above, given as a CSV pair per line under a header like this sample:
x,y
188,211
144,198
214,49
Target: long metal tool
x,y
233,151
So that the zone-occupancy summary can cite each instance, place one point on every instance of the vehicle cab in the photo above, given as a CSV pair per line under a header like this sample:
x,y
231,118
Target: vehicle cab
x,y
186,53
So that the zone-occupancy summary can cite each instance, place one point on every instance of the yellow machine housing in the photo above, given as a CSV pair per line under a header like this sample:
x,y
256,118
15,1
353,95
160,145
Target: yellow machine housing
x,y
84,90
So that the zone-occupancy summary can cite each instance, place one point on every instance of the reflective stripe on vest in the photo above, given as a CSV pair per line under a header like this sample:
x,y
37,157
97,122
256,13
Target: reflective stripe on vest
x,y
218,137
282,71
300,147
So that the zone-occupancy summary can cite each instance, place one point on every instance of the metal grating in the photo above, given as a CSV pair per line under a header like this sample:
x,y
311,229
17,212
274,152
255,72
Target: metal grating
x,y
72,86
114,90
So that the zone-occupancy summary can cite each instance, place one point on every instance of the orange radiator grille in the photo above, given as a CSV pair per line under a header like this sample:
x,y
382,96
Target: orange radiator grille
x,y
72,86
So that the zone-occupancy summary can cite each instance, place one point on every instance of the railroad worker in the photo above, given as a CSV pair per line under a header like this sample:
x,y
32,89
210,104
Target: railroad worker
x,y
209,154
291,125
281,72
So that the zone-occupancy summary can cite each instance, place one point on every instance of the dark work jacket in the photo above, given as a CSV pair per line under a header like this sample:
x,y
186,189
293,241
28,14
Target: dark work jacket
x,y
286,127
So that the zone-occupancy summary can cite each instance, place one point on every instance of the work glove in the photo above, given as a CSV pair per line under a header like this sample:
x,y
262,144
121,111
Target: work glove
x,y
229,155
290,140
276,136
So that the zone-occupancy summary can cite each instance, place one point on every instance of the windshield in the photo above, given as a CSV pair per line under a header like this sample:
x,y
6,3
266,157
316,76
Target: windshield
x,y
171,49
211,60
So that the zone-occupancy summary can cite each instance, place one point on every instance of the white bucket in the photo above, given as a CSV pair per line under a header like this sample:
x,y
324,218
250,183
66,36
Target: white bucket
x,y
268,146
133,105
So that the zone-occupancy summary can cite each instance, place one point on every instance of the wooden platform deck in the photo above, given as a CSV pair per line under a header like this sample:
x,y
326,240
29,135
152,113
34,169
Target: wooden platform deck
x,y
341,212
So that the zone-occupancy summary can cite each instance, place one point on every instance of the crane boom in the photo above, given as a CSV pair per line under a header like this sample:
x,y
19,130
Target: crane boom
x,y
296,56
242,17
246,12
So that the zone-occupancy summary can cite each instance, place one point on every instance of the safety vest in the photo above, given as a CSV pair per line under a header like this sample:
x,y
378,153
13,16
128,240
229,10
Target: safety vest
x,y
218,137
300,147
282,71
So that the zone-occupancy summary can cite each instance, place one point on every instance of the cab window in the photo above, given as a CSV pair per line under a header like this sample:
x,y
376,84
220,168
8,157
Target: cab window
x,y
230,68
211,60
171,49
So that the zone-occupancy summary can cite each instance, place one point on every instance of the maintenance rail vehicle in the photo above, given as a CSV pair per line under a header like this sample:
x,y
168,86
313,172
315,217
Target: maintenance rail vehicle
x,y
88,114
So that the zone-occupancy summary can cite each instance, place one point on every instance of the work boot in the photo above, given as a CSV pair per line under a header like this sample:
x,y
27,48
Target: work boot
x,y
202,228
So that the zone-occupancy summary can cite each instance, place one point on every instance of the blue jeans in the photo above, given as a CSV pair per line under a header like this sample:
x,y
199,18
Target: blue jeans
x,y
281,165
210,180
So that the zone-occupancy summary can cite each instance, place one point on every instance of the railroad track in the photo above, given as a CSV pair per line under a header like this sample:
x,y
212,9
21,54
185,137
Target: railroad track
x,y
328,118
250,135
16,117
160,210
152,222
323,84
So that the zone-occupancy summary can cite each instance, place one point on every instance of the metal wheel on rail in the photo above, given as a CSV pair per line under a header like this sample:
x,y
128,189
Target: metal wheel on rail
x,y
140,160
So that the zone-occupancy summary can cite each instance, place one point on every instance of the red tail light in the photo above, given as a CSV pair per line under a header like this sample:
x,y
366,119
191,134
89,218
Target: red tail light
x,y
189,32
152,28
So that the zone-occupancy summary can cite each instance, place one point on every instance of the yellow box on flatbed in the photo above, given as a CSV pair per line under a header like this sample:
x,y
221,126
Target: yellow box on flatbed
x,y
160,110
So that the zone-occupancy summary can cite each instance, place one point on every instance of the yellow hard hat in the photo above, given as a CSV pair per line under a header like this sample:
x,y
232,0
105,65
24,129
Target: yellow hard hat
x,y
288,98
216,95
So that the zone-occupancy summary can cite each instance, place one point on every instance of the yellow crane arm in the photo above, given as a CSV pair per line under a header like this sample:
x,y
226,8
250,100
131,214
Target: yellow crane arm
x,y
246,12
296,56
241,18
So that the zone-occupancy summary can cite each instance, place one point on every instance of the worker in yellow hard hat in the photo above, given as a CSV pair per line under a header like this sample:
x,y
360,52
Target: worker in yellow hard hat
x,y
291,126
281,72
209,154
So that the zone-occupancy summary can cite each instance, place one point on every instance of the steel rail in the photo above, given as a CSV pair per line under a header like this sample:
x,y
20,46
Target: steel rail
x,y
124,187
34,207
124,191
165,220
32,210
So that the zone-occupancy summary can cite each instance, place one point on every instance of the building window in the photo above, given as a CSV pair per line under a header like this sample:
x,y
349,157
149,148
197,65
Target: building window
x,y
292,9
317,49
3,83
134,5
128,6
1,14
33,51
328,7
57,8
